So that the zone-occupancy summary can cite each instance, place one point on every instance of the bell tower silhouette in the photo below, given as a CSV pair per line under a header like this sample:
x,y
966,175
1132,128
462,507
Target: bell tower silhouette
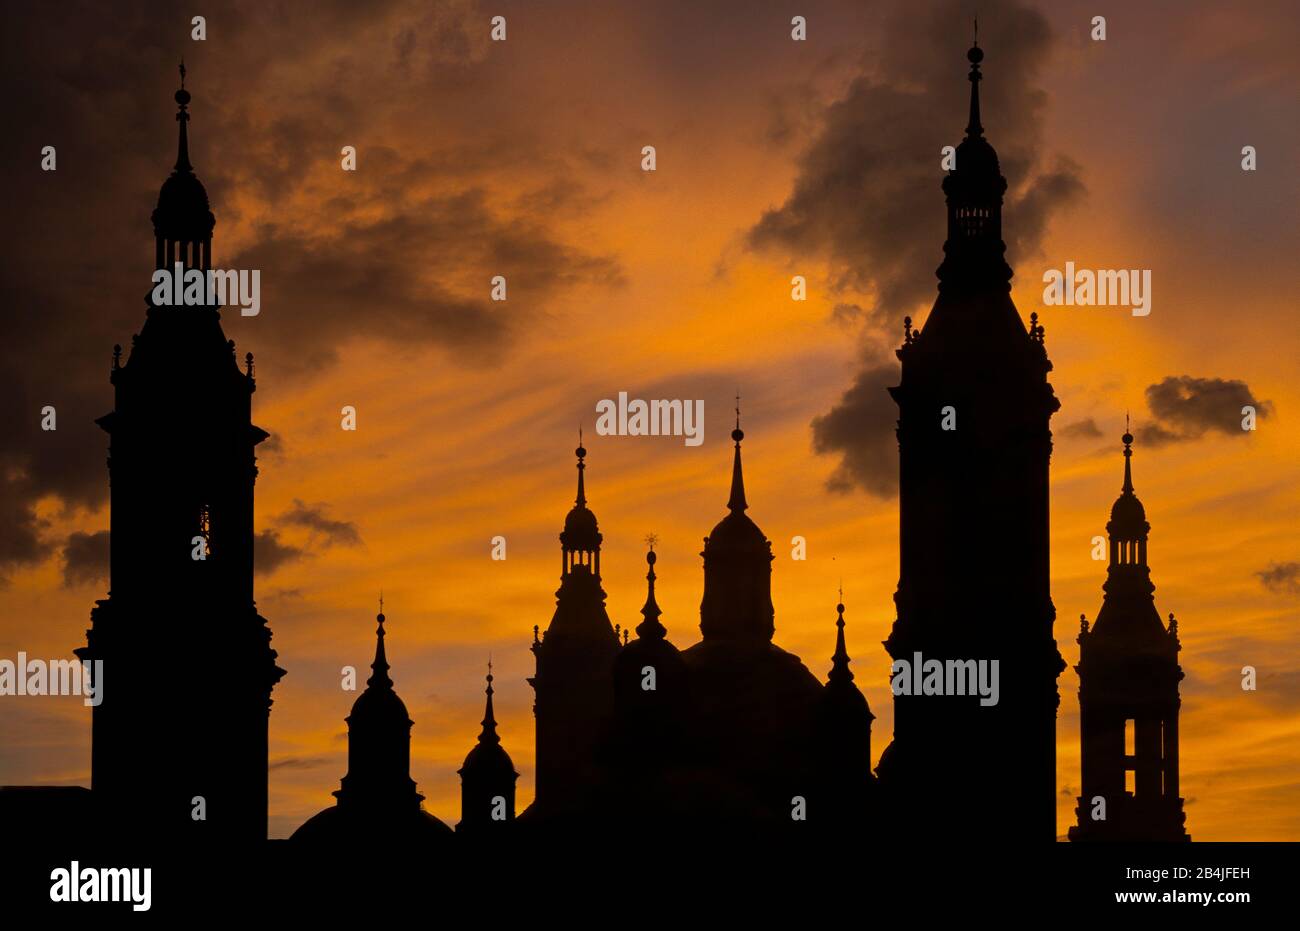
x,y
573,700
1128,694
974,449
188,666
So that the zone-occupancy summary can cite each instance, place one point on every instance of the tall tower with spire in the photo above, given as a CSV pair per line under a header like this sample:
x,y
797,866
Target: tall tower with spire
x,y
974,450
1128,694
487,780
738,558
180,738
574,699
753,705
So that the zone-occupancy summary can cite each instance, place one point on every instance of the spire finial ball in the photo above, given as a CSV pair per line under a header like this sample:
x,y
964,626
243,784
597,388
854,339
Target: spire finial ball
x,y
975,55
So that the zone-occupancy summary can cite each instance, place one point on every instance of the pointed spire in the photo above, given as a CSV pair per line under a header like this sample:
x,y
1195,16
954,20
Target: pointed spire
x,y
1128,458
840,672
581,453
183,117
973,128
489,734
736,503
379,678
650,628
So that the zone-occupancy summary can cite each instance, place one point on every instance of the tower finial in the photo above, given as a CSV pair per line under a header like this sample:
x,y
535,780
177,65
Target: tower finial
x,y
651,628
1128,459
975,56
840,672
977,32
737,502
489,734
581,453
182,116
379,677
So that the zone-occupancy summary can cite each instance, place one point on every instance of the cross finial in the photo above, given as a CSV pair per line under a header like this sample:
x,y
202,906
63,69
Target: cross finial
x,y
381,601
651,539
737,408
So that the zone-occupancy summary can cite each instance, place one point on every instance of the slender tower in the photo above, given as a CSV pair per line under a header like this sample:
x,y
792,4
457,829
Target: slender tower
x,y
179,741
847,718
974,447
379,804
1128,695
487,780
573,700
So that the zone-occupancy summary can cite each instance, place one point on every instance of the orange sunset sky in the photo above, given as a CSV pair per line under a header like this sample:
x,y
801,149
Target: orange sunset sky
x,y
775,158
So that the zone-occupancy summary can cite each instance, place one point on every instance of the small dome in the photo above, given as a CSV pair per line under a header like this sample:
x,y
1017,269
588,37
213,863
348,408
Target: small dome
x,y
975,156
736,532
580,529
642,652
1127,512
379,704
339,828
182,213
488,758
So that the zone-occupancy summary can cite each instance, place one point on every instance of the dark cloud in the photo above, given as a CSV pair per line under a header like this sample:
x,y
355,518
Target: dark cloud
x,y
401,251
869,319
1281,578
1186,408
269,553
1085,429
299,762
861,428
867,196
85,558
323,529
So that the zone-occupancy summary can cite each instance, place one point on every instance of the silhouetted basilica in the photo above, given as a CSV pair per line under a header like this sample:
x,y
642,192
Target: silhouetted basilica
x,y
637,733
732,731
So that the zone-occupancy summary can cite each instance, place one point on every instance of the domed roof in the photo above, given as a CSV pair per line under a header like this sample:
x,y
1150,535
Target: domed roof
x,y
359,830
581,532
374,704
1127,512
488,757
975,155
736,531
182,212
